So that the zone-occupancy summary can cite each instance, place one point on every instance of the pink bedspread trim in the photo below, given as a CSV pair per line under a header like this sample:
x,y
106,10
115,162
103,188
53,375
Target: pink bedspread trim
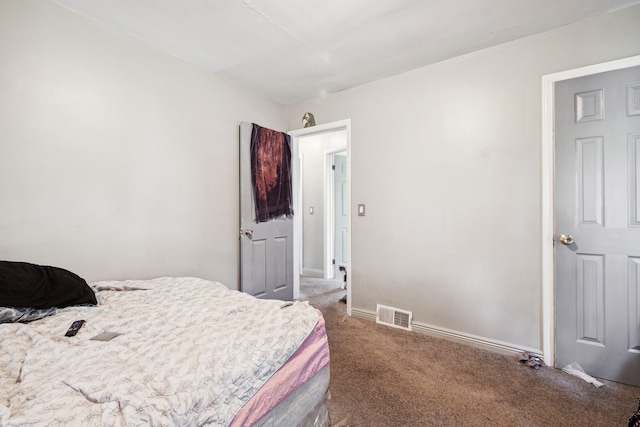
x,y
308,360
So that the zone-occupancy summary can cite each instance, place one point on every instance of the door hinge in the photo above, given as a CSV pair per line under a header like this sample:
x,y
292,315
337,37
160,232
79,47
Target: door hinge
x,y
333,167
333,262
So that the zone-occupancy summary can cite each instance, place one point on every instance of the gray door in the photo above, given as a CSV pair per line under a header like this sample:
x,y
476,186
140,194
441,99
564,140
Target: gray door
x,y
597,204
340,212
266,248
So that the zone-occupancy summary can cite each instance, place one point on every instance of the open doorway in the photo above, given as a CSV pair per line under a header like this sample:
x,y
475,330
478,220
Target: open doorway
x,y
339,209
315,151
320,186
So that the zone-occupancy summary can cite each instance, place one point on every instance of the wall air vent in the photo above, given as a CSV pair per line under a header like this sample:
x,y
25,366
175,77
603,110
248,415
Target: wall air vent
x,y
394,317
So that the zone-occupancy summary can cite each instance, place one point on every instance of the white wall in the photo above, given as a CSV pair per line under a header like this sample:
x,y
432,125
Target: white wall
x,y
116,160
312,162
447,160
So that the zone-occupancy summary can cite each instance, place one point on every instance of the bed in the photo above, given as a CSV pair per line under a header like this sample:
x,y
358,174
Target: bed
x,y
164,352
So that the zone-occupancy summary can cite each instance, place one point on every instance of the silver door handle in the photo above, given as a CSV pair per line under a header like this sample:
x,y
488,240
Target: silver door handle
x,y
566,239
246,232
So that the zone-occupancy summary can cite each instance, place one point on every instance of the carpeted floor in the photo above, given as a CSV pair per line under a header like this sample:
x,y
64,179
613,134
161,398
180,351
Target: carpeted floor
x,y
381,376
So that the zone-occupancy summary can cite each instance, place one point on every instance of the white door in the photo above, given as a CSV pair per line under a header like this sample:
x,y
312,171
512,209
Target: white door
x,y
597,224
341,209
266,248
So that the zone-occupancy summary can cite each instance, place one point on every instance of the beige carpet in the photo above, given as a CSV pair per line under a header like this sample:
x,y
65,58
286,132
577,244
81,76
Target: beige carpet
x,y
381,376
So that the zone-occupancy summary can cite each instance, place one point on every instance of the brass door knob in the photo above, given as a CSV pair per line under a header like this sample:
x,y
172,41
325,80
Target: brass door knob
x,y
566,239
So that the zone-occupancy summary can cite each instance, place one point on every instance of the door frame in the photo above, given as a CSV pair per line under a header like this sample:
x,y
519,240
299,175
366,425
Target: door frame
x,y
548,188
297,199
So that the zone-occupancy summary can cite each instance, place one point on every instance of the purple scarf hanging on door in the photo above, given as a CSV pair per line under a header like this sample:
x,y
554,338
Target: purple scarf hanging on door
x,y
271,173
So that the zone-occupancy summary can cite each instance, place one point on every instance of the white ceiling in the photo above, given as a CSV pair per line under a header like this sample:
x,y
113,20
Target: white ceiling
x,y
292,50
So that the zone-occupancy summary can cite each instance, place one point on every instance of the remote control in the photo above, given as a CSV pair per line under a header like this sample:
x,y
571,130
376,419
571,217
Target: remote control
x,y
74,328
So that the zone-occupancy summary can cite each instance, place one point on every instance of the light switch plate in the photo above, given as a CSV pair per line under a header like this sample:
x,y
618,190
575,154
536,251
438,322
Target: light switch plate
x,y
361,210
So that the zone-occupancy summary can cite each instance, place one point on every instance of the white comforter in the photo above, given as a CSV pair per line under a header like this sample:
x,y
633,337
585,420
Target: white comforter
x,y
191,353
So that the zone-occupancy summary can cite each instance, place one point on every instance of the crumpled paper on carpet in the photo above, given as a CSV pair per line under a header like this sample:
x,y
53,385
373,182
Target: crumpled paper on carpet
x,y
531,360
577,371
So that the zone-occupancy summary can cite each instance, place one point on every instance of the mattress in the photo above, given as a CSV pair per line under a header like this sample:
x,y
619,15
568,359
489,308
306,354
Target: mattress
x,y
300,368
186,352
305,407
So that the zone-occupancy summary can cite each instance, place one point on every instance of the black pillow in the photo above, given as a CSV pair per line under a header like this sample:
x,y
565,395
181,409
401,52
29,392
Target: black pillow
x,y
28,285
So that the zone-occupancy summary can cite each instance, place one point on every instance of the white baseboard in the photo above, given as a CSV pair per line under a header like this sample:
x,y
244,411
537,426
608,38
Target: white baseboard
x,y
312,272
456,336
